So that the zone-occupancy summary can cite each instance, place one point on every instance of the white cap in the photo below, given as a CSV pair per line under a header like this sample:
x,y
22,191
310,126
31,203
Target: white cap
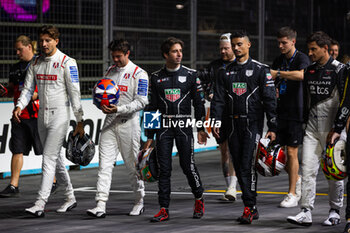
x,y
225,37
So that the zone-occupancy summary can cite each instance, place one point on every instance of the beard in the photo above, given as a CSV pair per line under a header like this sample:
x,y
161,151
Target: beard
x,y
239,56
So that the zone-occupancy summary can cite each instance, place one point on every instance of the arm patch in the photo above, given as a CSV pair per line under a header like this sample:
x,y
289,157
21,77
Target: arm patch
x,y
74,74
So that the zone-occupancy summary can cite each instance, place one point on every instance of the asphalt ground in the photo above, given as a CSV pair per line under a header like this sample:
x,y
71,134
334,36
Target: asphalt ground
x,y
220,216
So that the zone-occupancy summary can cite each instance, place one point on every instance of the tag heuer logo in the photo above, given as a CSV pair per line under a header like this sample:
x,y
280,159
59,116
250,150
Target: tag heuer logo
x,y
239,88
172,94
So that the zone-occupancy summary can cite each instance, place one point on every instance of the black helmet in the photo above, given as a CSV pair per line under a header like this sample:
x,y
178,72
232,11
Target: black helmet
x,y
80,150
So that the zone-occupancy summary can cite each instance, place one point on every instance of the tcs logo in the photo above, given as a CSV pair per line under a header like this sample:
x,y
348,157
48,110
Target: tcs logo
x,y
322,90
317,90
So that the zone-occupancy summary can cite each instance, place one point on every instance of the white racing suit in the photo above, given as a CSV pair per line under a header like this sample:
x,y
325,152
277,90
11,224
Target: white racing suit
x,y
121,131
58,85
323,86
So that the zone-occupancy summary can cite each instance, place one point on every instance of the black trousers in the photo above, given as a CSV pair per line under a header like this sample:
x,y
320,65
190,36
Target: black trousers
x,y
184,143
243,138
24,136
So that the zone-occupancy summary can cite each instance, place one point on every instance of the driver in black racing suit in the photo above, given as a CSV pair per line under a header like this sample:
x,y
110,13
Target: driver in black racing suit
x,y
172,91
247,89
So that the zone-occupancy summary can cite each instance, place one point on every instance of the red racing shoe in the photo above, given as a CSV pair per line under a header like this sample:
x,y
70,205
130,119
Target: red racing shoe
x,y
198,210
163,215
246,217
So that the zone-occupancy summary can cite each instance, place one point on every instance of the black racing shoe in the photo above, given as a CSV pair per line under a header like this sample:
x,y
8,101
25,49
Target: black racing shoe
x,y
347,228
10,191
198,209
163,215
255,213
247,216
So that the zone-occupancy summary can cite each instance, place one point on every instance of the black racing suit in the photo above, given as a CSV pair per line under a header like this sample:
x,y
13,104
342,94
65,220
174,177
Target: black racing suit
x,y
173,93
208,79
247,91
344,106
339,124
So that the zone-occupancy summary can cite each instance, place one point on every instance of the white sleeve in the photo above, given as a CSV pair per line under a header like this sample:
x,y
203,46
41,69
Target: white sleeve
x,y
140,94
71,76
28,89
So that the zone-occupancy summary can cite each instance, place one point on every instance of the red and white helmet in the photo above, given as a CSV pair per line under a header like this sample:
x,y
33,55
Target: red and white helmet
x,y
270,158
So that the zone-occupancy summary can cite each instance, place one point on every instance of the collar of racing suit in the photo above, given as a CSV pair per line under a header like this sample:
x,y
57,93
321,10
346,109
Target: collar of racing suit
x,y
241,65
124,67
319,67
53,57
172,70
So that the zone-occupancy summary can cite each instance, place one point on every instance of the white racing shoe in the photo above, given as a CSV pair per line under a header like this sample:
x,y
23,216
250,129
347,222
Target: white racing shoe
x,y
37,210
231,194
304,218
99,211
68,205
289,200
223,198
333,218
138,209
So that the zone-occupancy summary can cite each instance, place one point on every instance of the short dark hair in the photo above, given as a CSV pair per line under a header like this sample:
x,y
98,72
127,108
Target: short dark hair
x,y
50,30
239,34
334,42
168,42
119,45
321,38
288,32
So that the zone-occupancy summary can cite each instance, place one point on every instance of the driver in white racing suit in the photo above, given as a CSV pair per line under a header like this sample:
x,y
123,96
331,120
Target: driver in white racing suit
x,y
323,86
57,79
121,130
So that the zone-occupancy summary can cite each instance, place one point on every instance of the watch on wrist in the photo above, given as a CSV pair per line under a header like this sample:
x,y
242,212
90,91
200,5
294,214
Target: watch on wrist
x,y
278,73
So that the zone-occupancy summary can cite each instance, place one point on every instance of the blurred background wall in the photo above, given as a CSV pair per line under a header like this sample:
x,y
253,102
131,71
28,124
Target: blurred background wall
x,y
87,26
